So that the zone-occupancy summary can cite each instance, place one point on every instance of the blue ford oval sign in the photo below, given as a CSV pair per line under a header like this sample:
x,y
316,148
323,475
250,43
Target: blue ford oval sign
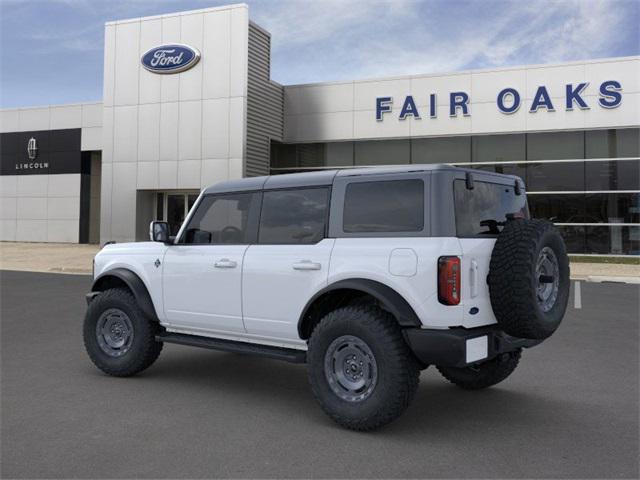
x,y
171,58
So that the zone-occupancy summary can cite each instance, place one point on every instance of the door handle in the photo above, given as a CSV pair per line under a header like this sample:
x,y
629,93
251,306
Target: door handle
x,y
225,263
307,265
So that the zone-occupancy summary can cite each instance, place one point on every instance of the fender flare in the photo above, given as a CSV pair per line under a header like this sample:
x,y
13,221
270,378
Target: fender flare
x,y
387,296
135,284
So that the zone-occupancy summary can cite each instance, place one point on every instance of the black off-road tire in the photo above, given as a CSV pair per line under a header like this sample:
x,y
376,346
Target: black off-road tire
x,y
483,375
397,369
513,281
143,349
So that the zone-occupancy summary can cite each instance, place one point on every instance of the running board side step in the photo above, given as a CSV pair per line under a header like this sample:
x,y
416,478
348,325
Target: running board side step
x,y
276,353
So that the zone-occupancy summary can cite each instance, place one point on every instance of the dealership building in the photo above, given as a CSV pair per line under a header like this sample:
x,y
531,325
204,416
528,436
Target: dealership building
x,y
188,101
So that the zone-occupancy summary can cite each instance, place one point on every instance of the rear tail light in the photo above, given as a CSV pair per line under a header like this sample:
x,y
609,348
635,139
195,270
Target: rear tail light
x,y
449,280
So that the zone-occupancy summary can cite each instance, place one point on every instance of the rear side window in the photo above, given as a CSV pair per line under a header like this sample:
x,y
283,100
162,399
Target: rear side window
x,y
296,216
483,210
384,206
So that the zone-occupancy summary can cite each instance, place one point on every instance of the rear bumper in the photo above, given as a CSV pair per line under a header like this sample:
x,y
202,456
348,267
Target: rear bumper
x,y
459,347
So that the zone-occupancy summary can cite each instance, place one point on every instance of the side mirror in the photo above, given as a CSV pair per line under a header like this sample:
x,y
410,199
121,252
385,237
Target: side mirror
x,y
159,232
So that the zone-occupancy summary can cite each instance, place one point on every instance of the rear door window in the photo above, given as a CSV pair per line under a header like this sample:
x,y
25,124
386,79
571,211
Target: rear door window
x,y
384,206
483,210
294,216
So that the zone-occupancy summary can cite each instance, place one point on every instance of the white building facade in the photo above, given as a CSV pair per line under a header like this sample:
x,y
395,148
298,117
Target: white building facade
x,y
102,171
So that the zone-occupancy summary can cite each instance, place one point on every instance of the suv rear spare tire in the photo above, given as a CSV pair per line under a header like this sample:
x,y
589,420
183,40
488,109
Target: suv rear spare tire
x,y
529,278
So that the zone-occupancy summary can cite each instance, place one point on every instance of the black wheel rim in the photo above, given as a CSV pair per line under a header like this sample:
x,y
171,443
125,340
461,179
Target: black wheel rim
x,y
547,279
350,368
114,332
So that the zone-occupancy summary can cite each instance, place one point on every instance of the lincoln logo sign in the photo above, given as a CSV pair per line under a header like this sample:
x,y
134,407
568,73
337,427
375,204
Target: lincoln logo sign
x,y
172,58
508,101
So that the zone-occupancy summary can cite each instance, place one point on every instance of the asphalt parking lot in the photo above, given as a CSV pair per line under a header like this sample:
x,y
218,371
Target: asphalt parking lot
x,y
570,410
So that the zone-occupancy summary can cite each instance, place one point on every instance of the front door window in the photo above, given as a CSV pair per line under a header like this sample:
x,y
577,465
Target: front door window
x,y
173,207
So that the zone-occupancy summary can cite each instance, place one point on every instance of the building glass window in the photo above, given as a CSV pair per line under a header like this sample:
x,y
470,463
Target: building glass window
x,y
612,143
555,145
517,169
558,208
612,208
613,240
555,176
384,206
441,150
283,155
574,238
613,175
382,152
339,154
294,216
499,148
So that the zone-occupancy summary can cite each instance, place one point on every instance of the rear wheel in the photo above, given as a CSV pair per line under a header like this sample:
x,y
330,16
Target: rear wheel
x,y
118,337
483,375
360,368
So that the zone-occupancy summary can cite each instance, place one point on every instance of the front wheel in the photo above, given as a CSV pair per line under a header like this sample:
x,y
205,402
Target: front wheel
x,y
119,338
483,375
360,368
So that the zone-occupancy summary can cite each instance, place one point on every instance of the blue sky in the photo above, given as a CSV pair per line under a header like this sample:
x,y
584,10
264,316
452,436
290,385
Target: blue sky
x,y
51,50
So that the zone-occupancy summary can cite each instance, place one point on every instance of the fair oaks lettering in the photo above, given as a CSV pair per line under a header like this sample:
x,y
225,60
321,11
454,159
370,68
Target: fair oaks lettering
x,y
508,101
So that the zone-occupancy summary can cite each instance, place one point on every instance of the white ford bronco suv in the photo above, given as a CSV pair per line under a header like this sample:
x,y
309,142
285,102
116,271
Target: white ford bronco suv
x,y
367,275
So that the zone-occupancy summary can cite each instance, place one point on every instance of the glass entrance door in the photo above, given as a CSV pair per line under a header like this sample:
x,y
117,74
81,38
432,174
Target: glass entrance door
x,y
172,207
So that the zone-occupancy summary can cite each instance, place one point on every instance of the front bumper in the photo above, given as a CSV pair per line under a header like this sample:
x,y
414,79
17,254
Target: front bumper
x,y
460,347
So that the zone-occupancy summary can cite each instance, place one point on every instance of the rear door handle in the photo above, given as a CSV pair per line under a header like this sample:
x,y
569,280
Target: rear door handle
x,y
307,265
225,263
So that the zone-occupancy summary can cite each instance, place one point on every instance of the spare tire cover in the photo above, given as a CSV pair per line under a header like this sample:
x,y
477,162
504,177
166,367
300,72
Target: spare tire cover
x,y
529,278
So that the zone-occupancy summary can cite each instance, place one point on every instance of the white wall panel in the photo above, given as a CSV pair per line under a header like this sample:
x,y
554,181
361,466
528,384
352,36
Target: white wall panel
x,y
213,171
127,63
237,126
485,86
8,185
109,68
149,132
169,131
91,138
170,84
190,130
65,116
65,231
8,230
124,222
8,208
147,175
422,86
34,119
31,230
9,120
32,208
63,208
125,134
63,185
32,185
215,61
239,52
189,174
168,174
554,78
192,35
215,128
149,83
91,115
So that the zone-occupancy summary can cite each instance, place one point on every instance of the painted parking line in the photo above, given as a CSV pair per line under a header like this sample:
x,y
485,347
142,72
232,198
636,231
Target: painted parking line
x,y
577,295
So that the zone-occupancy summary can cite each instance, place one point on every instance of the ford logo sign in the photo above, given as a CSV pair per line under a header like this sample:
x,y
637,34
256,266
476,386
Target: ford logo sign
x,y
173,58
